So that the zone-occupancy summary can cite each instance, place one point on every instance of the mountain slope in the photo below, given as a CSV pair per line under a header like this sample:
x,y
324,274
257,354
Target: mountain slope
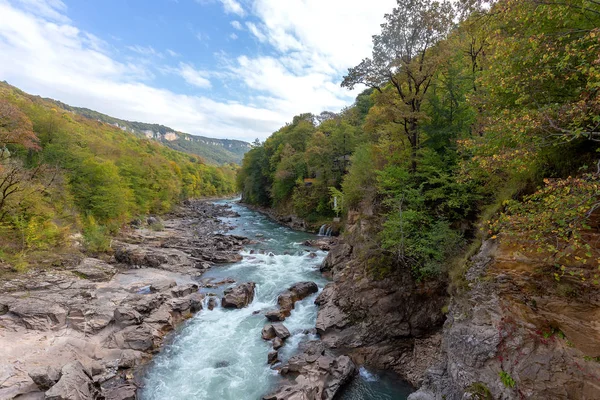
x,y
213,151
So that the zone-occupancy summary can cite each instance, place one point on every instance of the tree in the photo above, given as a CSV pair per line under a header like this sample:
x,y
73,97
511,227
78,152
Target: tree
x,y
403,57
15,128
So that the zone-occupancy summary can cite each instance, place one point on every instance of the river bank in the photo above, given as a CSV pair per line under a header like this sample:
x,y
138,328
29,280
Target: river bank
x,y
80,331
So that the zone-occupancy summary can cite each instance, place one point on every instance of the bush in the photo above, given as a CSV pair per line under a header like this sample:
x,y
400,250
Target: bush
x,y
96,237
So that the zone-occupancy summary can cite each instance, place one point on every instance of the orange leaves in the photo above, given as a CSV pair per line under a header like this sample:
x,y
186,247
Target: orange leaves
x,y
15,127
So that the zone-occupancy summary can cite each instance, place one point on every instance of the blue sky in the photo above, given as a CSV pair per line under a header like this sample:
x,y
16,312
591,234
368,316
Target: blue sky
x,y
235,69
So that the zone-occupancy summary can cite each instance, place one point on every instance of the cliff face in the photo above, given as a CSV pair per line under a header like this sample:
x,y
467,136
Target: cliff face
x,y
517,334
513,332
387,323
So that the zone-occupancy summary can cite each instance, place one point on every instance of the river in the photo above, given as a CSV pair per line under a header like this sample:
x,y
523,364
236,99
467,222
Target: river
x,y
219,354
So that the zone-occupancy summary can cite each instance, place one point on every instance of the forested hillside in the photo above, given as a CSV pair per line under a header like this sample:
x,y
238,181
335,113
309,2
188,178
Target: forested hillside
x,y
62,174
470,127
213,151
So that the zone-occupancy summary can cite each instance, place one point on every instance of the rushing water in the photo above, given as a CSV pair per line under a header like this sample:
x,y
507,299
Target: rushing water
x,y
219,354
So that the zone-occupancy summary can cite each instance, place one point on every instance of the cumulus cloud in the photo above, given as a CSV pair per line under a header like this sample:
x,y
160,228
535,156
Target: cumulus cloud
x,y
233,7
193,76
305,47
56,60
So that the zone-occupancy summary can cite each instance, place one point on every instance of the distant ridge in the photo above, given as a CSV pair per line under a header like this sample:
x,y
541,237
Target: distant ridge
x,y
213,151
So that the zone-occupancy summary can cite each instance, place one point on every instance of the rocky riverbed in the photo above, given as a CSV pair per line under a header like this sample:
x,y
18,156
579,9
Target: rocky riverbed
x,y
80,332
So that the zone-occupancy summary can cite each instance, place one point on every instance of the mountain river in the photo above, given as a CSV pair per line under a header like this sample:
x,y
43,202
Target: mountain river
x,y
219,354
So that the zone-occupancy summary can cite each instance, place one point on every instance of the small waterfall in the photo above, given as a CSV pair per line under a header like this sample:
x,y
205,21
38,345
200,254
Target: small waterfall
x,y
322,230
328,233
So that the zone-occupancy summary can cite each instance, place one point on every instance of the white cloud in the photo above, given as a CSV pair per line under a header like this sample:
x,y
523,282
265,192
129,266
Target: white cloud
x,y
49,9
233,36
340,30
305,47
173,53
55,60
193,76
233,7
256,32
145,51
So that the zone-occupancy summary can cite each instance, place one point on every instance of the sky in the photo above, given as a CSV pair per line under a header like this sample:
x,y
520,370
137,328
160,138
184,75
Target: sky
x,y
236,69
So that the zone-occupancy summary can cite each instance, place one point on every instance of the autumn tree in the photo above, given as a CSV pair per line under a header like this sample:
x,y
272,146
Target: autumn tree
x,y
404,58
15,127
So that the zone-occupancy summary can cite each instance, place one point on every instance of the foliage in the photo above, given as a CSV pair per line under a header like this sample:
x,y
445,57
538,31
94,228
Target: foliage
x,y
555,218
507,380
211,150
58,169
491,116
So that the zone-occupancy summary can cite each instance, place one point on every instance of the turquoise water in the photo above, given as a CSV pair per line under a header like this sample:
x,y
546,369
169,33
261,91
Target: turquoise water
x,y
219,354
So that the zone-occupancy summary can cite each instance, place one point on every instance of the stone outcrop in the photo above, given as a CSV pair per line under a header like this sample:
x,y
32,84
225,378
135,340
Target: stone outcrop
x,y
239,296
314,373
381,322
510,336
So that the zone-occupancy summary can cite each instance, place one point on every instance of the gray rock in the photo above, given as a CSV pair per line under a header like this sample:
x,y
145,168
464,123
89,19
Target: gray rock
x,y
74,384
268,332
277,343
127,316
94,270
239,296
212,303
125,392
272,357
45,377
281,331
275,315
38,314
318,374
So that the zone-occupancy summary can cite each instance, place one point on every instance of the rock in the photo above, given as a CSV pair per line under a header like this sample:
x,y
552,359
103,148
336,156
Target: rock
x,y
196,301
38,314
277,343
45,377
124,392
288,298
184,290
94,270
272,357
127,316
239,296
212,303
275,316
74,384
318,374
268,332
161,286
140,337
222,364
281,331
152,221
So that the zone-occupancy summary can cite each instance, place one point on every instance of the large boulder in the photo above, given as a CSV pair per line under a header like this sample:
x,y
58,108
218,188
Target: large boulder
x,y
286,300
268,332
38,314
295,293
45,377
239,296
74,384
94,270
316,374
281,331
